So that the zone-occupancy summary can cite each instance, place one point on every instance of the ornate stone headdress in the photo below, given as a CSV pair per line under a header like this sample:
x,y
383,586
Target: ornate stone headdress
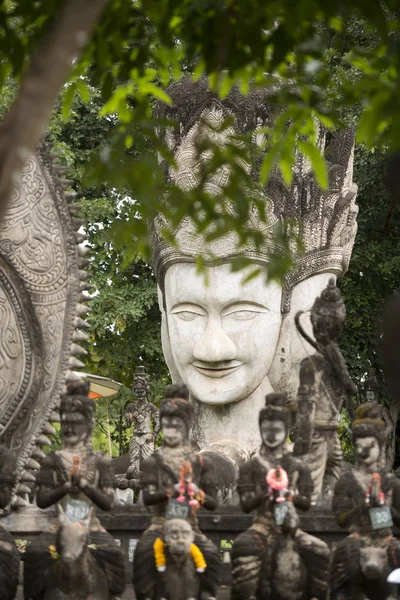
x,y
327,219
176,404
369,422
77,400
276,409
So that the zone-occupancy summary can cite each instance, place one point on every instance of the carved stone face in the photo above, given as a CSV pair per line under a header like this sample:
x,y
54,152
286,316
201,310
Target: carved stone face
x,y
273,433
179,536
367,450
222,336
174,431
74,428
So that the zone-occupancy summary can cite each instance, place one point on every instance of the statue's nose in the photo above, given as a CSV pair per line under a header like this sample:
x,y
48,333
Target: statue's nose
x,y
214,345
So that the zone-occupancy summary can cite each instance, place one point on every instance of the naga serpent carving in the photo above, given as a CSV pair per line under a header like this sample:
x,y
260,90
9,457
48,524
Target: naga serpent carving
x,y
41,308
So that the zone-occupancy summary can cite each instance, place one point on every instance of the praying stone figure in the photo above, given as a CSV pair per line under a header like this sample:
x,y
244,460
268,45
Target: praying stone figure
x,y
230,343
325,386
76,478
9,555
366,501
274,558
161,481
142,414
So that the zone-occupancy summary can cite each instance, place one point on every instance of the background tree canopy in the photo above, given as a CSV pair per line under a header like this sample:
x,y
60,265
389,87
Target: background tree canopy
x,y
336,61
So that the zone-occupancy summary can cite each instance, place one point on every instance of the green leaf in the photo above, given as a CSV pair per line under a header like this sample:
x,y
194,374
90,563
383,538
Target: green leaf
x,y
68,99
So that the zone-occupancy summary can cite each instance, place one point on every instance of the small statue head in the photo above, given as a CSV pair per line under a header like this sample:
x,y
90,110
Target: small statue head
x,y
179,536
140,385
77,412
328,314
274,420
123,483
176,415
368,433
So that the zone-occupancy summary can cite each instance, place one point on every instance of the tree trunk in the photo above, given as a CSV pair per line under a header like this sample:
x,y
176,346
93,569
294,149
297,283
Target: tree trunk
x,y
48,70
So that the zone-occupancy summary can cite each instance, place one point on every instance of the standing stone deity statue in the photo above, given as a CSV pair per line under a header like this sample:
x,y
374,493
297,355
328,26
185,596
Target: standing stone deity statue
x,y
161,481
76,478
325,386
366,501
274,558
9,555
230,343
143,415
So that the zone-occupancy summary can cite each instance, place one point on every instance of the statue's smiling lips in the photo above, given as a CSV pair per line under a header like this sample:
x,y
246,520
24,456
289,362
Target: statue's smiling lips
x,y
216,371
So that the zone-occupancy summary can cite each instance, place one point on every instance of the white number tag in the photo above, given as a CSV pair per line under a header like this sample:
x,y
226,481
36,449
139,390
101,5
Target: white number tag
x,y
280,511
381,517
77,510
177,510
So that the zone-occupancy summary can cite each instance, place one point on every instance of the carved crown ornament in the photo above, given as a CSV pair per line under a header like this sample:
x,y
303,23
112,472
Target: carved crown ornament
x,y
326,220
42,280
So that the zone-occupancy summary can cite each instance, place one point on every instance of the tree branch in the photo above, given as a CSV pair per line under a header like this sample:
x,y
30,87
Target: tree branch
x,y
48,70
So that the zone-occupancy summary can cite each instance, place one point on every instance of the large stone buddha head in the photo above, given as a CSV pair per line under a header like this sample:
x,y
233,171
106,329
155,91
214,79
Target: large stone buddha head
x,y
231,342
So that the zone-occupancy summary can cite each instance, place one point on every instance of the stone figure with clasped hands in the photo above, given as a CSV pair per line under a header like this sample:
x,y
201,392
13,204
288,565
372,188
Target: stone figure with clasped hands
x,y
262,554
161,481
78,479
366,500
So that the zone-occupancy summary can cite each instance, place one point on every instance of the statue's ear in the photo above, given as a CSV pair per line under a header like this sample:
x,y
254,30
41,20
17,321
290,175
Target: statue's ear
x,y
87,520
62,517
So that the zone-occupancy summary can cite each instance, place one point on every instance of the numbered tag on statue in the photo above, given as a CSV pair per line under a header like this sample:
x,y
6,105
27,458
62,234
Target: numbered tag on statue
x,y
177,510
77,510
381,517
280,511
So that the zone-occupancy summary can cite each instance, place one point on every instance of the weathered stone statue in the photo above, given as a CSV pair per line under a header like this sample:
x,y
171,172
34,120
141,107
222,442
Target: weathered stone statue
x,y
161,481
124,494
9,555
143,415
42,278
273,558
231,344
76,478
325,385
179,561
366,501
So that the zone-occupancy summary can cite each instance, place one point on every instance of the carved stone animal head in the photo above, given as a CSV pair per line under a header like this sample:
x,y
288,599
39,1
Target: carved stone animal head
x,y
72,537
373,562
179,536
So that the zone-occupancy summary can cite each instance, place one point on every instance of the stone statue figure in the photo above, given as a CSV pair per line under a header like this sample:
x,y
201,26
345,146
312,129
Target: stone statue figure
x,y
42,278
231,344
144,417
274,558
76,478
161,481
124,494
179,574
366,501
9,555
325,385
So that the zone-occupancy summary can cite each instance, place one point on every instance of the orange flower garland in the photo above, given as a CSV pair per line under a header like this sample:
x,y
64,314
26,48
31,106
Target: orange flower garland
x,y
161,563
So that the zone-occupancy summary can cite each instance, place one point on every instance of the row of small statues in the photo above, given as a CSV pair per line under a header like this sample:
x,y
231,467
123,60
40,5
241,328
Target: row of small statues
x,y
174,560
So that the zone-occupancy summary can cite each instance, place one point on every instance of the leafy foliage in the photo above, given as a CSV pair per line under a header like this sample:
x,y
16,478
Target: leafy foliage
x,y
323,60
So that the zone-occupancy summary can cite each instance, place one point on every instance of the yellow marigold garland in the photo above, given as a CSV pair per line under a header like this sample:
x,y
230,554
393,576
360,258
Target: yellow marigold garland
x,y
198,558
159,555
161,563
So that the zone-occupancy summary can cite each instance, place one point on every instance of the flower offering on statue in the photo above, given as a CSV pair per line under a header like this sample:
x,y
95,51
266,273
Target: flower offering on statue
x,y
278,482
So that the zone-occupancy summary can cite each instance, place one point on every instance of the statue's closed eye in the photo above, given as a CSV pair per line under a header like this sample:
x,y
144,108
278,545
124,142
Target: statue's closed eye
x,y
242,315
186,315
188,312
